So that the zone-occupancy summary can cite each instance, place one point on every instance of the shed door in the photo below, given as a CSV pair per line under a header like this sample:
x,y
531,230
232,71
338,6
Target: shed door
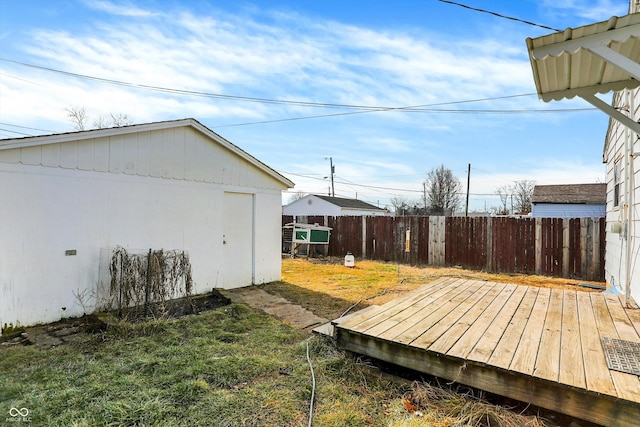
x,y
237,240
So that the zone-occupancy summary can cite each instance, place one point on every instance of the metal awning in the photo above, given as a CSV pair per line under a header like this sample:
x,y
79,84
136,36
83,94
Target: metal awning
x,y
585,61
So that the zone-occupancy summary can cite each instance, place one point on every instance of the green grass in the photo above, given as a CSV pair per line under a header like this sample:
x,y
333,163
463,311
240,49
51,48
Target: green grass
x,y
228,367
232,366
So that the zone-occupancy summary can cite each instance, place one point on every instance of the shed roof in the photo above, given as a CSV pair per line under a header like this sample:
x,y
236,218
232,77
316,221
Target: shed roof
x,y
349,203
30,141
570,194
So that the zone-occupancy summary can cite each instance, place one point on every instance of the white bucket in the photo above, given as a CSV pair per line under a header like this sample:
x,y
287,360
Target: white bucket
x,y
349,260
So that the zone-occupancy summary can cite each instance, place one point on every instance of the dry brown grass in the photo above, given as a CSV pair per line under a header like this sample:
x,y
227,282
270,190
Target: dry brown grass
x,y
430,405
379,282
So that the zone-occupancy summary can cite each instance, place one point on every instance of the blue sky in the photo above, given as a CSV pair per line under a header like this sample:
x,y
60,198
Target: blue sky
x,y
469,72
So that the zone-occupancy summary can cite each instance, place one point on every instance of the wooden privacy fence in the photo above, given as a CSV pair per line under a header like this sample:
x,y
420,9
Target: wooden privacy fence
x,y
559,247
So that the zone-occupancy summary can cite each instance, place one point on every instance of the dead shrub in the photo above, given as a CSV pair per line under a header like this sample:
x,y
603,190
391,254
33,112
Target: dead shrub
x,y
148,281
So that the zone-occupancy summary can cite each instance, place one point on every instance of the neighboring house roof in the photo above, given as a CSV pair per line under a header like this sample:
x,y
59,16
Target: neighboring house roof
x,y
570,193
30,141
349,203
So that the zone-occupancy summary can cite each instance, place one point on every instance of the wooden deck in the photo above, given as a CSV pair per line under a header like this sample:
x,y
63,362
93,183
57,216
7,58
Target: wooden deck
x,y
532,344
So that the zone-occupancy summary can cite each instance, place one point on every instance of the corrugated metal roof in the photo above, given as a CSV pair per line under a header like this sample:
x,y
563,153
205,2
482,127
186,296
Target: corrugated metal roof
x,y
571,62
570,193
349,203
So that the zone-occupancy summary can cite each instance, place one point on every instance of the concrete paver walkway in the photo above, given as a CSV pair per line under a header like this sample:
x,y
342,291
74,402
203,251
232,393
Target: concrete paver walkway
x,y
278,307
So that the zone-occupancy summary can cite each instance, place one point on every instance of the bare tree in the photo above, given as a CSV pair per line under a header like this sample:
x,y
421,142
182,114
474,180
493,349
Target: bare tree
x,y
522,194
443,191
101,122
120,119
296,196
113,121
504,193
78,116
399,203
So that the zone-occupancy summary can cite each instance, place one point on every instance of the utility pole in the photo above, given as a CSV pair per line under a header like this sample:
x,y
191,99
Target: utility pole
x,y
466,209
333,170
424,195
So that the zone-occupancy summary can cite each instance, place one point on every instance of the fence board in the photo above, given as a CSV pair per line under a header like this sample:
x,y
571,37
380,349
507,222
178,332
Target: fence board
x,y
466,241
380,238
437,245
346,235
550,246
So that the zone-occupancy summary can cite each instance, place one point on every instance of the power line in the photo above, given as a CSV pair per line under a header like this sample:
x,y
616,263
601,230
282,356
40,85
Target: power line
x,y
13,131
423,108
414,108
247,98
500,15
254,99
25,127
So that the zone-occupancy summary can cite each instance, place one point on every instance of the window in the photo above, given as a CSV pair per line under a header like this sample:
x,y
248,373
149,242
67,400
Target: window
x,y
616,183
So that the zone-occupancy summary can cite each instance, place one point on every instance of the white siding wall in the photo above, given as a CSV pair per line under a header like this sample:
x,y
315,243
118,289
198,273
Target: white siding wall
x,y
616,244
129,191
567,210
316,207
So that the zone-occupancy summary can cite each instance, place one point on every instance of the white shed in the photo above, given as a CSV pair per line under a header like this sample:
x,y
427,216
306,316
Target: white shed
x,y
313,204
67,199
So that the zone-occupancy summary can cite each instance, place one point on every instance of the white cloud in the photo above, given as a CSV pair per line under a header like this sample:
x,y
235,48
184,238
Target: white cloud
x,y
319,61
122,9
593,10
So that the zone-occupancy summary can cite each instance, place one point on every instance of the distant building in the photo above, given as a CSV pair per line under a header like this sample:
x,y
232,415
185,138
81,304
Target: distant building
x,y
569,201
313,204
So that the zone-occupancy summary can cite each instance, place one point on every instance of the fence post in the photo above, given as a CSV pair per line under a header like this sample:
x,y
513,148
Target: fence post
x,y
538,243
437,236
595,265
565,247
364,237
584,247
489,260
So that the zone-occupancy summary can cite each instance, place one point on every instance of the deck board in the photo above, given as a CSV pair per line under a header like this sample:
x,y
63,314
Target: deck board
x,y
450,327
482,331
571,360
548,358
429,316
597,374
621,320
468,319
400,320
496,335
395,306
537,345
626,385
525,356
